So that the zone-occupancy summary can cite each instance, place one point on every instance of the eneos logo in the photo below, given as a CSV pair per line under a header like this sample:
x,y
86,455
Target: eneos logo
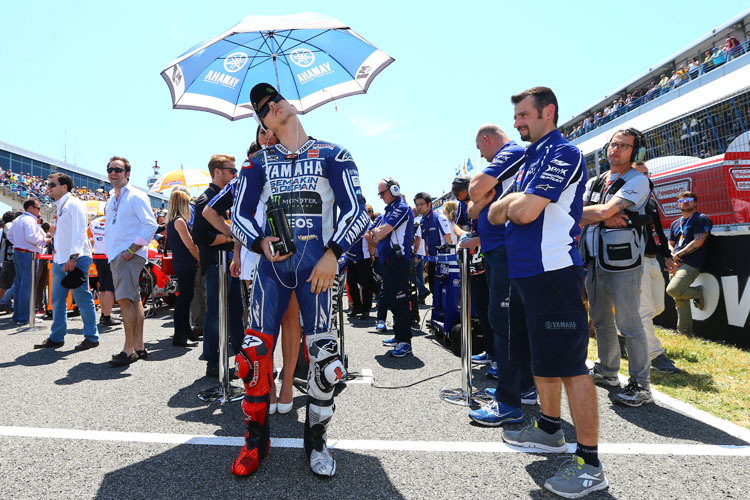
x,y
235,62
302,57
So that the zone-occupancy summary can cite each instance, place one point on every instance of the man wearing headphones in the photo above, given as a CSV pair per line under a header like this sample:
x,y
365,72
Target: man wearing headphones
x,y
317,212
612,248
393,237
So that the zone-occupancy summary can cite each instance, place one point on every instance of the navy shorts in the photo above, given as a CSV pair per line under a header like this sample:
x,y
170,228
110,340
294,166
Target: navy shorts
x,y
105,275
548,322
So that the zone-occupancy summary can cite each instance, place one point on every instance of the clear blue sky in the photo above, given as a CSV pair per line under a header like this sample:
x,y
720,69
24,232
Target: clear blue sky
x,y
91,68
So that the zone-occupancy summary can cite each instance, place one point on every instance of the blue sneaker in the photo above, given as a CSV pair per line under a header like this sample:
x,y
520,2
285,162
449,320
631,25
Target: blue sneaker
x,y
401,350
490,391
390,342
380,325
493,372
481,359
494,414
529,397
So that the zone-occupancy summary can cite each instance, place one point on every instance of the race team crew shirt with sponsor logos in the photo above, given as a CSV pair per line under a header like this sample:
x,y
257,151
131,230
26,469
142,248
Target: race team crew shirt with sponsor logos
x,y
504,167
554,169
98,235
400,217
432,230
309,185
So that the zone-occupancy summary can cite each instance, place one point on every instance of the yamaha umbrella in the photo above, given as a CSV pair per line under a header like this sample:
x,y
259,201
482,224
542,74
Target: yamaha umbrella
x,y
312,58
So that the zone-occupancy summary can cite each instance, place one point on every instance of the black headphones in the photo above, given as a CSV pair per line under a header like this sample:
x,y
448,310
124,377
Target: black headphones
x,y
639,145
392,186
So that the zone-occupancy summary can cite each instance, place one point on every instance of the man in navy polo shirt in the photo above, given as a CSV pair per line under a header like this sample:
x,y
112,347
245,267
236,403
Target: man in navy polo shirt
x,y
434,229
547,316
393,238
687,238
514,375
460,189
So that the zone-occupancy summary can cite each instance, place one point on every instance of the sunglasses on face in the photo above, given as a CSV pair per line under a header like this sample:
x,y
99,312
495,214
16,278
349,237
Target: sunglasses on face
x,y
263,111
51,184
116,170
381,193
232,170
685,200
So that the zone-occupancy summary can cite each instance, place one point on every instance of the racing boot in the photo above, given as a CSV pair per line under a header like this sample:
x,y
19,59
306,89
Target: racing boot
x,y
254,366
316,449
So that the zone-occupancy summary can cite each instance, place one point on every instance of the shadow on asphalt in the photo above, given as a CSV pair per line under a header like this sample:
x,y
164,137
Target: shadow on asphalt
x,y
39,357
409,362
283,474
93,371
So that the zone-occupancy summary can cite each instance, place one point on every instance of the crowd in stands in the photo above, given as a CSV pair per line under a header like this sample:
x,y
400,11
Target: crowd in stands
x,y
33,186
690,70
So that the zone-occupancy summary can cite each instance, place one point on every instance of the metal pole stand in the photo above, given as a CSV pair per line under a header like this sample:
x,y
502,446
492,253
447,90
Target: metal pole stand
x,y
463,396
226,392
32,302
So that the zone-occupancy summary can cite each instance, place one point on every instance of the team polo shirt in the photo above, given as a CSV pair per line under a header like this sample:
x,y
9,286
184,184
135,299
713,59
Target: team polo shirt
x,y
432,231
553,169
683,231
400,217
462,215
504,168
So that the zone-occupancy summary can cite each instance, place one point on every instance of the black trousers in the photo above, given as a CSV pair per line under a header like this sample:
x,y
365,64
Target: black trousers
x,y
396,290
360,274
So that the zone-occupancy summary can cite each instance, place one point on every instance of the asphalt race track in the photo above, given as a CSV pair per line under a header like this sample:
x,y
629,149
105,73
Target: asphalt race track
x,y
74,427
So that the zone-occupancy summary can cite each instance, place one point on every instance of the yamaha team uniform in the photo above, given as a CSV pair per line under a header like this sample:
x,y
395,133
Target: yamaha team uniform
x,y
318,189
514,375
546,271
395,255
432,230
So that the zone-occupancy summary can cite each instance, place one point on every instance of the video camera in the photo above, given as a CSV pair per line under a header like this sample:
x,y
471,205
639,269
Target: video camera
x,y
279,225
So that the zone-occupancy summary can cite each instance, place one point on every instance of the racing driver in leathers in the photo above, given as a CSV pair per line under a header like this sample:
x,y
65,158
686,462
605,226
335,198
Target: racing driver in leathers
x,y
317,185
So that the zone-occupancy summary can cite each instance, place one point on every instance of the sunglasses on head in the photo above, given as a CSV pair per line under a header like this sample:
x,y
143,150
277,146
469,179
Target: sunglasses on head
x,y
263,111
116,170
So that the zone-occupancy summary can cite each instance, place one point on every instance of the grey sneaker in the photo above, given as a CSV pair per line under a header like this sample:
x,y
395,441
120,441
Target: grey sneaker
x,y
532,436
604,380
634,395
576,479
663,364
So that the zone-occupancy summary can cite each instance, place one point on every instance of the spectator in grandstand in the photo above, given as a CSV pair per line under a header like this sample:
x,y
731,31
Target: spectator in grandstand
x,y
547,281
717,57
435,230
71,252
687,238
130,226
27,238
393,237
105,284
515,383
210,241
733,48
185,259
652,282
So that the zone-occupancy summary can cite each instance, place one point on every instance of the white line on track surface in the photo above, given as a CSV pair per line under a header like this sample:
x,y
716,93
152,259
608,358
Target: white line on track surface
x,y
364,377
362,444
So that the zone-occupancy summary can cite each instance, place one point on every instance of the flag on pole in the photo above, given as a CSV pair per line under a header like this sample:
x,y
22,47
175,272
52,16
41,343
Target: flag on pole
x,y
469,166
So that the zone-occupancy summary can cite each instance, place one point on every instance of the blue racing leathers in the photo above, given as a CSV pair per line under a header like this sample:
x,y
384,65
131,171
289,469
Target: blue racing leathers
x,y
318,189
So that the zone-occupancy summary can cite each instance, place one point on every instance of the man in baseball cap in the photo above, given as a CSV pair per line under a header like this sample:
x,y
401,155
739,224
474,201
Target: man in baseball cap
x,y
260,96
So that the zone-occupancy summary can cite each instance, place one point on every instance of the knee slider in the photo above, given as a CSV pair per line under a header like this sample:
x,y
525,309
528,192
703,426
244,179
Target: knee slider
x,y
326,369
247,361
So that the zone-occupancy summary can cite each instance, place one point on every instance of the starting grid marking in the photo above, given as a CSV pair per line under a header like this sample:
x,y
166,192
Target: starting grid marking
x,y
364,377
372,445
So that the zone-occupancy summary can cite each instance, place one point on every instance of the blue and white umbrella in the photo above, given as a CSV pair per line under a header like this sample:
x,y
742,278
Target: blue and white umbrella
x,y
312,58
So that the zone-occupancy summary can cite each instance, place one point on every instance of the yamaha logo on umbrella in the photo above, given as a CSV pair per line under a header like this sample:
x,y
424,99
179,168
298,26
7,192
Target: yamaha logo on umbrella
x,y
235,61
302,57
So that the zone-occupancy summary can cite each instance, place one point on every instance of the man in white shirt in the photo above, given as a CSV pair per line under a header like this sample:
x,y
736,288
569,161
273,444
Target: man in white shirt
x,y
130,225
72,251
27,239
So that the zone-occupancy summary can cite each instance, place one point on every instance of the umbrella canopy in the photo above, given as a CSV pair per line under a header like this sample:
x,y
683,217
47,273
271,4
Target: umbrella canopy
x,y
189,178
312,58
